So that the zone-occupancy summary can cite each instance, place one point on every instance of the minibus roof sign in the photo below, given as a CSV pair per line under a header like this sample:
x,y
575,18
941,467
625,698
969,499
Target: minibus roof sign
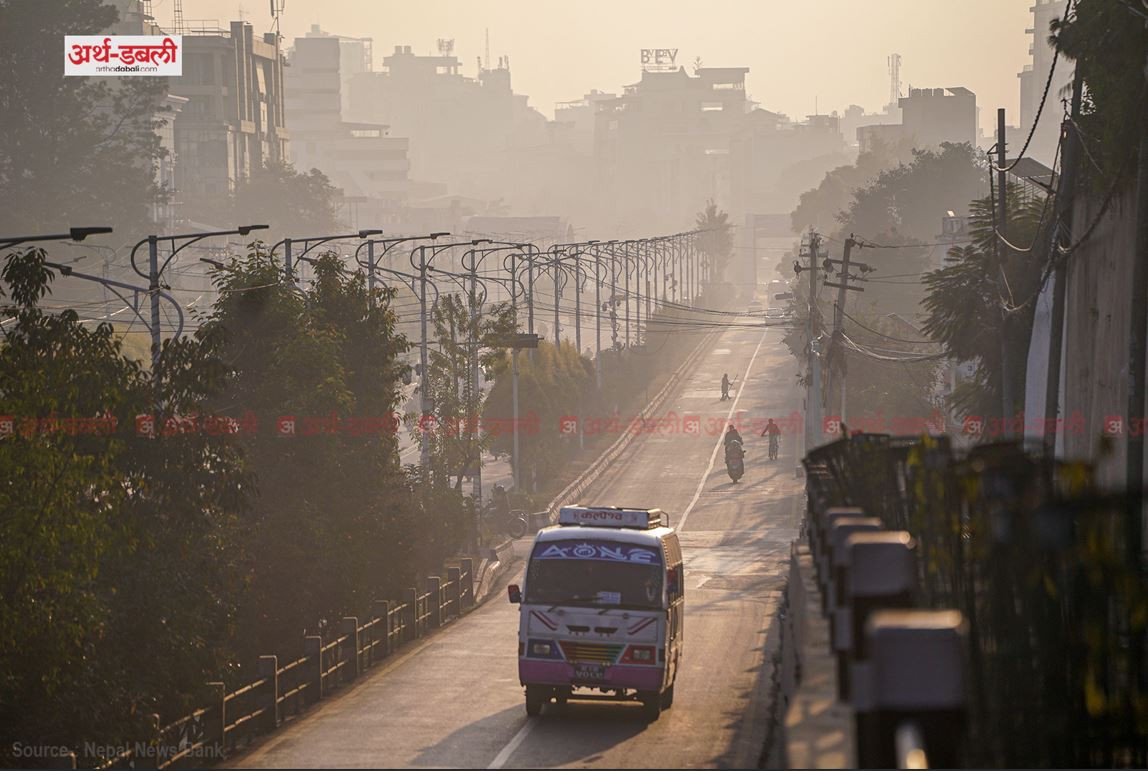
x,y
613,516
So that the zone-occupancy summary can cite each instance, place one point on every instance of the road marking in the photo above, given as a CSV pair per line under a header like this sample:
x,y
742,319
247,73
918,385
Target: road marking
x,y
721,439
504,755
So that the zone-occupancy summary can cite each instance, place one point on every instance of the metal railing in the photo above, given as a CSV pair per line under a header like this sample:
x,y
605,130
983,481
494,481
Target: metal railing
x,y
234,718
1050,590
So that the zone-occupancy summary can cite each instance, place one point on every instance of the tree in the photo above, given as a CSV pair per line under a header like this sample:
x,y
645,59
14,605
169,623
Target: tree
x,y
1108,40
716,238
901,207
456,443
553,382
821,207
73,151
969,299
117,564
289,201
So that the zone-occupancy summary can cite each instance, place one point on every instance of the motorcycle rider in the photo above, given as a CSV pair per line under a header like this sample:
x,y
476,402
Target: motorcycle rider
x,y
725,383
774,433
732,440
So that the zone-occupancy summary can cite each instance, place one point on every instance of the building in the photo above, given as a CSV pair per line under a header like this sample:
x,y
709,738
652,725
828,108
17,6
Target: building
x,y
462,130
854,119
135,18
576,120
233,122
776,159
1034,77
930,116
362,159
663,147
885,134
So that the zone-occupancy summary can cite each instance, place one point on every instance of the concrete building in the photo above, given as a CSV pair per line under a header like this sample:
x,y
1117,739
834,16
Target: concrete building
x,y
135,18
1033,78
461,129
362,159
931,116
576,120
776,159
855,118
663,147
233,121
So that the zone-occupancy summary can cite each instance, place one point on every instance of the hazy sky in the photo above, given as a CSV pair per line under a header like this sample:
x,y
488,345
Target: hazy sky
x,y
798,51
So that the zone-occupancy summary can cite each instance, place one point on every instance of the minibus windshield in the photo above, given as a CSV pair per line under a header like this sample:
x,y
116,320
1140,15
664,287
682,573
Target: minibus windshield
x,y
598,574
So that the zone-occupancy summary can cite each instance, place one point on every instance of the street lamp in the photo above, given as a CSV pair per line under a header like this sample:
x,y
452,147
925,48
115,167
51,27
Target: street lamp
x,y
421,266
75,234
154,270
311,242
390,243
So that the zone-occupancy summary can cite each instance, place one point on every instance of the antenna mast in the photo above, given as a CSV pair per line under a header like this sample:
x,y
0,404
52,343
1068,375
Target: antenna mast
x,y
177,24
487,60
894,62
277,7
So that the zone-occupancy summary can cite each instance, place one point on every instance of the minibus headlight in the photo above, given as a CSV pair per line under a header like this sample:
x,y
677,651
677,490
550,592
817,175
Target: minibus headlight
x,y
639,654
543,649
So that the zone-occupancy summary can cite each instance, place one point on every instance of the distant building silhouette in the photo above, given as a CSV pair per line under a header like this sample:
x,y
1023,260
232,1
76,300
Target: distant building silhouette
x,y
1032,81
233,122
362,159
461,129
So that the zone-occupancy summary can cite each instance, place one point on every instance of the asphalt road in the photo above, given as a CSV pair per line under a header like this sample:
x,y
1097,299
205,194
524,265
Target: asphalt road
x,y
453,699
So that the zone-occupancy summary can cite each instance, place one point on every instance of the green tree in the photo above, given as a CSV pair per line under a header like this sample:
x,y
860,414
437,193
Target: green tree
x,y
335,521
116,557
73,151
277,195
821,207
980,304
1108,41
462,341
552,383
716,239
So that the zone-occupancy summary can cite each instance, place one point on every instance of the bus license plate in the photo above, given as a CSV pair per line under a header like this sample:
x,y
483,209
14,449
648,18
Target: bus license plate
x,y
593,673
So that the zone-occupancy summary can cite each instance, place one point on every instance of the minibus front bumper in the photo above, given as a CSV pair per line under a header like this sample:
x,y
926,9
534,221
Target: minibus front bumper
x,y
565,673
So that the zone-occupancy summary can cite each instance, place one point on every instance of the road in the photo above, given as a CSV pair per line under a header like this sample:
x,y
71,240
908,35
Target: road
x,y
453,699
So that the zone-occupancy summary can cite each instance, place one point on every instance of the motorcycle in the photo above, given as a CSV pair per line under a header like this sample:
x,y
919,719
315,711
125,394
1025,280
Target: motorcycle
x,y
503,518
734,460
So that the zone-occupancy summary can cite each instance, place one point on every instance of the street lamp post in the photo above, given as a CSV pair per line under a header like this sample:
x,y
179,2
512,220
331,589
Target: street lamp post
x,y
424,361
310,243
389,243
74,234
155,270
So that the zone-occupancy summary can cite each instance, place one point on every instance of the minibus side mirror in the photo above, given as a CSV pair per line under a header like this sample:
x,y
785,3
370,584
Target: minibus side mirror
x,y
514,593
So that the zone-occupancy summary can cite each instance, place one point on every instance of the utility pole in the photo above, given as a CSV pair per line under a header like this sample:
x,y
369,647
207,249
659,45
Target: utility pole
x,y
520,341
837,348
1002,262
557,291
424,402
153,297
813,382
597,320
1065,197
1137,354
626,266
